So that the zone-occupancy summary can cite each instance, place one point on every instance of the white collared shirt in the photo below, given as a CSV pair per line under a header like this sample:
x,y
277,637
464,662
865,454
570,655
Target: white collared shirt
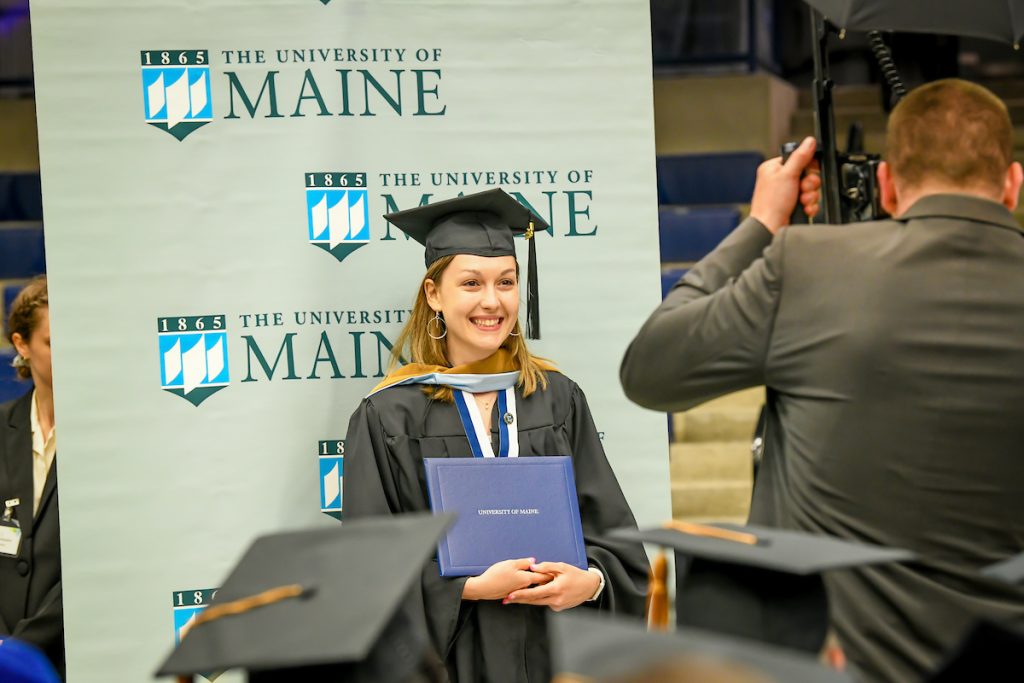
x,y
43,450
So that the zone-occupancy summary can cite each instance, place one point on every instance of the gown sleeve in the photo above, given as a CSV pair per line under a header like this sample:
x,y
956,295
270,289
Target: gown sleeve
x,y
370,489
603,508
711,334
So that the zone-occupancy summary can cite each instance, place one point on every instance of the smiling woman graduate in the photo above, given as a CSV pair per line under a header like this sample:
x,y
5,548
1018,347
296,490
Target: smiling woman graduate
x,y
467,355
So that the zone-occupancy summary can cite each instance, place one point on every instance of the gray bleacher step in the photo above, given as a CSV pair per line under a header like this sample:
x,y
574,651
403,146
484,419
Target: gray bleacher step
x,y
751,398
711,461
710,499
874,140
871,95
723,424
736,112
871,118
736,519
676,265
1006,90
874,118
19,149
846,96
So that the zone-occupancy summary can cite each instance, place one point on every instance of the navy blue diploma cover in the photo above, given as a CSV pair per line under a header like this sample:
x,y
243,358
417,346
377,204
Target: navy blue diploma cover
x,y
506,508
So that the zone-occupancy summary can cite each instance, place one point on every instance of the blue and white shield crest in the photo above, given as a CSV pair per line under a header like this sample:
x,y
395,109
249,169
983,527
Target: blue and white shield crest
x,y
193,357
176,90
337,212
187,606
332,476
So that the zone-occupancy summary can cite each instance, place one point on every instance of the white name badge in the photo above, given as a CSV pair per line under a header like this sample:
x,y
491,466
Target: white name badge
x,y
10,540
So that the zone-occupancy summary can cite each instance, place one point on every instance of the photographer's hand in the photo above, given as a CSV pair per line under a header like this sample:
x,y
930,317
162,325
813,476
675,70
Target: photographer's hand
x,y
778,187
810,190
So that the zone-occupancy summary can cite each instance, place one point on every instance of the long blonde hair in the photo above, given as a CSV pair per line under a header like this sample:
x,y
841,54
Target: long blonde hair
x,y
415,345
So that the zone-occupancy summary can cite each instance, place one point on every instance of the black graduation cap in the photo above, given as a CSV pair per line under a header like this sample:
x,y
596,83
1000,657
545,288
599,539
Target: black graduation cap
x,y
481,224
320,605
604,648
1008,571
757,582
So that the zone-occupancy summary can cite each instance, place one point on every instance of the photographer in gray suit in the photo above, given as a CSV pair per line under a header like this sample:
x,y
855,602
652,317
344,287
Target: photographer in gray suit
x,y
893,356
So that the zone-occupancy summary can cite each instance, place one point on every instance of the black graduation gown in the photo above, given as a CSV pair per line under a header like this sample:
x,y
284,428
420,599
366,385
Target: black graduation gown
x,y
387,439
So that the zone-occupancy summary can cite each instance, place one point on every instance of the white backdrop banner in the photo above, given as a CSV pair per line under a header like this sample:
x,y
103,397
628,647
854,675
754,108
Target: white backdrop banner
x,y
224,289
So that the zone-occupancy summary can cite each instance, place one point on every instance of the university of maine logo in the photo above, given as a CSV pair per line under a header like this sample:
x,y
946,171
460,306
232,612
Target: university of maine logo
x,y
337,212
332,472
176,90
193,356
187,606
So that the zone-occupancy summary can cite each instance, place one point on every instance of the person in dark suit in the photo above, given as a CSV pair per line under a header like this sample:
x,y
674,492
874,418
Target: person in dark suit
x,y
893,356
31,605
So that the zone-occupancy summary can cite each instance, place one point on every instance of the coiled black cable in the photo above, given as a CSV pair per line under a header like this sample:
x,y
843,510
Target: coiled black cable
x,y
887,65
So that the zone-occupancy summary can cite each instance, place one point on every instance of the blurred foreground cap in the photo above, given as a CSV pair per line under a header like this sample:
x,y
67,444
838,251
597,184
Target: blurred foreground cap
x,y
601,648
326,604
758,582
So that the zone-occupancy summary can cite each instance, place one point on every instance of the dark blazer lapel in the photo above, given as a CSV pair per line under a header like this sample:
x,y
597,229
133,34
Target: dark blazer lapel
x,y
19,459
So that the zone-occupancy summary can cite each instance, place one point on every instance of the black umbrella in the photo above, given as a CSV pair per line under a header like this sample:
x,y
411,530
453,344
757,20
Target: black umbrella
x,y
1001,20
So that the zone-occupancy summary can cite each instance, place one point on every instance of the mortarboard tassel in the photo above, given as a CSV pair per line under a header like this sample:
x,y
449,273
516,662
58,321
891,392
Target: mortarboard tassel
x,y
710,532
532,291
657,594
243,605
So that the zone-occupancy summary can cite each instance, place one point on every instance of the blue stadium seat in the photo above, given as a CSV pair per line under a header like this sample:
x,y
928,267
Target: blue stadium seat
x,y
21,197
689,234
10,386
669,278
21,250
724,178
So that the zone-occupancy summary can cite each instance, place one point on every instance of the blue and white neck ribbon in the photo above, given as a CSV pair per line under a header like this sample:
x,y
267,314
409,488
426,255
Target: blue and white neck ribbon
x,y
473,424
474,384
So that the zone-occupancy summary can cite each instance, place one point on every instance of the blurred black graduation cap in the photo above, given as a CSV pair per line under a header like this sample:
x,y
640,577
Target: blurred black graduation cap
x,y
756,582
599,647
1008,571
481,224
320,605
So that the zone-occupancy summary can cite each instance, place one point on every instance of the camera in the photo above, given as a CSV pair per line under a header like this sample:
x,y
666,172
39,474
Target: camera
x,y
858,187
858,184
